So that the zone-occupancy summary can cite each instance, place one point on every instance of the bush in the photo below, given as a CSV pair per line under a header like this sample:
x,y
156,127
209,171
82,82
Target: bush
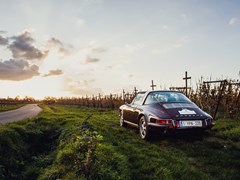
x,y
20,142
13,152
77,154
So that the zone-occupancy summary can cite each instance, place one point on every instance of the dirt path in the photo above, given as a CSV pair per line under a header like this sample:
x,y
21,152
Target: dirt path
x,y
27,111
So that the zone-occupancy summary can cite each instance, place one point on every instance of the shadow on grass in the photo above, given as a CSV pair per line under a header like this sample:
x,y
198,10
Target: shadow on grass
x,y
217,157
184,136
214,156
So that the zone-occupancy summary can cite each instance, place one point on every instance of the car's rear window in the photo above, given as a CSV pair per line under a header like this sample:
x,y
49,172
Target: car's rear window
x,y
162,96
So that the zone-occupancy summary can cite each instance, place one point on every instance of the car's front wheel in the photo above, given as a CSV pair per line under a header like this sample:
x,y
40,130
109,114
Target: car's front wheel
x,y
122,123
143,128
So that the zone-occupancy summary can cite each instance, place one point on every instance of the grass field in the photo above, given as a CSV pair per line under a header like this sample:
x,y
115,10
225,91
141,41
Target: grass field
x,y
8,107
70,142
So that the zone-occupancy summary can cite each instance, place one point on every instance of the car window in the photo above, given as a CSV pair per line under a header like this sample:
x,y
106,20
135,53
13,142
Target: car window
x,y
161,97
138,99
151,99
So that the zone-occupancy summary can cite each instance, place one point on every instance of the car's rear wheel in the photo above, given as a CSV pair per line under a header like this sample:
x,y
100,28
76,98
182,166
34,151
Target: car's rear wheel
x,y
143,128
122,123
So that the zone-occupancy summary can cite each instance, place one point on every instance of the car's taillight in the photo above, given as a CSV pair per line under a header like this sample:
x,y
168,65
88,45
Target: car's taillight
x,y
178,125
163,121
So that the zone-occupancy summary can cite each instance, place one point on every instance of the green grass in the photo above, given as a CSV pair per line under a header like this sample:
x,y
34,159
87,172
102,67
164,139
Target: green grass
x,y
9,107
228,129
71,142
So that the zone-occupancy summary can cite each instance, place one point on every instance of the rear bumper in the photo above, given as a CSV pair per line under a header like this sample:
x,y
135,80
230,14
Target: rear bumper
x,y
174,127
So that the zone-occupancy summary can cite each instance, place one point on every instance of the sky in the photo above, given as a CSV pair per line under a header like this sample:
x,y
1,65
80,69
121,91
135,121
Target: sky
x,y
86,47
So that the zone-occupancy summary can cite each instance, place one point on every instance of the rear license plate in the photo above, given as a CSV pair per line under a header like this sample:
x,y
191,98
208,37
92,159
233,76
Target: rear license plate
x,y
190,123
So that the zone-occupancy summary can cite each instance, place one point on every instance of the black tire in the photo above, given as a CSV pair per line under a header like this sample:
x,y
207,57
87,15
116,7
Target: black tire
x,y
143,128
122,123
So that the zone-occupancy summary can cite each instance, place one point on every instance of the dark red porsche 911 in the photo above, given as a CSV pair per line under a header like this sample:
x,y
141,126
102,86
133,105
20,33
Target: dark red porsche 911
x,y
164,111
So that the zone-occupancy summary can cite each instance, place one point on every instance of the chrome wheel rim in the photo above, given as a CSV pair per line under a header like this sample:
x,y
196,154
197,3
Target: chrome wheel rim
x,y
143,128
121,119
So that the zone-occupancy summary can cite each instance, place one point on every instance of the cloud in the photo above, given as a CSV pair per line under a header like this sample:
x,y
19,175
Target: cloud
x,y
132,48
53,42
17,70
56,43
3,41
91,60
3,32
64,51
130,75
99,50
22,47
82,91
81,87
54,73
233,21
110,66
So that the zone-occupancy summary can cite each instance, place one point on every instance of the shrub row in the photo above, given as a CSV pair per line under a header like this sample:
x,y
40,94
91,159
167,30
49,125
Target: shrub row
x,y
21,142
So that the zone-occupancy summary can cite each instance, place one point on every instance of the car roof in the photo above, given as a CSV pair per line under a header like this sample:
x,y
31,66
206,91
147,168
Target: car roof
x,y
147,92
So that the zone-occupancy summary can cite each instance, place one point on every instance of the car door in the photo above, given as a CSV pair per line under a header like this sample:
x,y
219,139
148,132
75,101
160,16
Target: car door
x,y
132,111
127,112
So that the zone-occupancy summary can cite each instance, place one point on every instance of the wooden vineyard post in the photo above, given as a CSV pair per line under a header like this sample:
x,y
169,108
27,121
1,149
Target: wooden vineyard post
x,y
222,87
238,99
100,100
93,101
111,101
123,96
237,102
135,91
186,83
153,85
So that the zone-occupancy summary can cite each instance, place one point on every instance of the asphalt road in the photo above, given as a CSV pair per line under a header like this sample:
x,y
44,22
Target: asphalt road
x,y
27,111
